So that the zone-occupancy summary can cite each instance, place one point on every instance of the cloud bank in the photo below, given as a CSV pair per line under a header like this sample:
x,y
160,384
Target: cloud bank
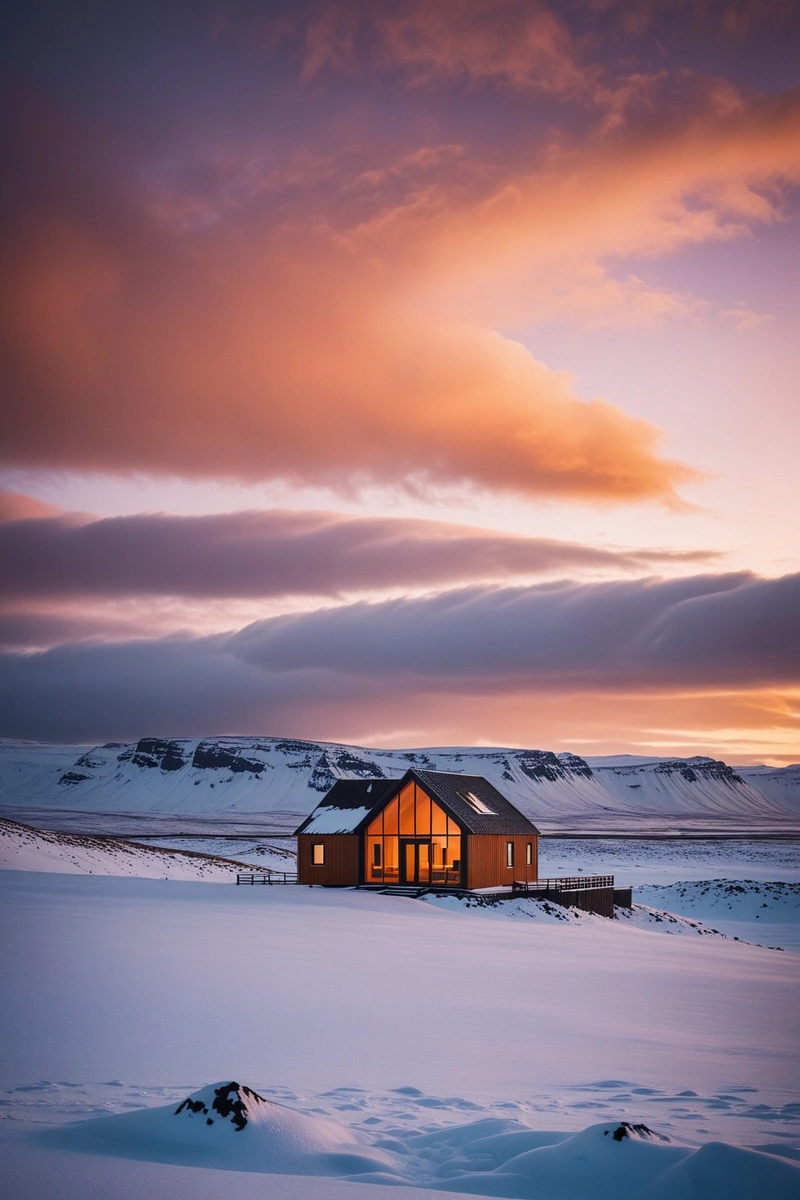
x,y
336,672
272,554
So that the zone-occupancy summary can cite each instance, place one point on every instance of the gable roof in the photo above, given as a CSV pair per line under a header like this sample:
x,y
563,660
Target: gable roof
x,y
452,790
346,805
351,803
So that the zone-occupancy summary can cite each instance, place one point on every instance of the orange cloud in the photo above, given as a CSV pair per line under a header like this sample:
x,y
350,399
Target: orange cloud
x,y
14,506
345,342
547,238
259,352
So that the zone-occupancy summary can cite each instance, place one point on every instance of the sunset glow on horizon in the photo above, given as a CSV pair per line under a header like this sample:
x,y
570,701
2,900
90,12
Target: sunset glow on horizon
x,y
403,373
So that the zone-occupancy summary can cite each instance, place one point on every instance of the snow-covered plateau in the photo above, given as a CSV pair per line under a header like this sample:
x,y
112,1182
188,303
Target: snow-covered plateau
x,y
272,783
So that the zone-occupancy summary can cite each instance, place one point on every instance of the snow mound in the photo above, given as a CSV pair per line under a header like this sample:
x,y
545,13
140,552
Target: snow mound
x,y
25,849
624,1161
230,1126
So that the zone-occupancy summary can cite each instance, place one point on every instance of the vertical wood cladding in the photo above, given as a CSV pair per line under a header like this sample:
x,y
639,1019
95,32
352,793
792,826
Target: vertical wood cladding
x,y
486,859
594,900
340,868
485,854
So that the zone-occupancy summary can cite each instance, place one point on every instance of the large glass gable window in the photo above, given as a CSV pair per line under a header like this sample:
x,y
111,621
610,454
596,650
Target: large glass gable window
x,y
413,840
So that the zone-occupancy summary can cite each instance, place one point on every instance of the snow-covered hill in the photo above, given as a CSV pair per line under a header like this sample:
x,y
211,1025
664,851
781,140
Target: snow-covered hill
x,y
26,849
683,785
247,775
781,784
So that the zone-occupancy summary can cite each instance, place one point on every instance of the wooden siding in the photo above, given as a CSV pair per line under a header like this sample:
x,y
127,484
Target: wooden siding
x,y
341,866
486,859
593,900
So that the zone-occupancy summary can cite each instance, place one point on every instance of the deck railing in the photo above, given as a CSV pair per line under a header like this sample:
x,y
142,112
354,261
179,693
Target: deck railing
x,y
268,877
566,883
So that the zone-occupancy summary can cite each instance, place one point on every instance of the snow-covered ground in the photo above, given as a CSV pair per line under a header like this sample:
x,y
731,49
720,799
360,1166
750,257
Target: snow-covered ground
x,y
398,1020
449,1046
259,852
546,912
755,911
638,861
232,1127
26,849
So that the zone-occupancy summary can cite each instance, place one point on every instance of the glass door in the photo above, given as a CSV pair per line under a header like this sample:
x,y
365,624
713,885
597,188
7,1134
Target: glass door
x,y
415,858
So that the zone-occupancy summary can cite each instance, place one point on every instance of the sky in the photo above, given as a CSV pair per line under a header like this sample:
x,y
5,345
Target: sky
x,y
402,372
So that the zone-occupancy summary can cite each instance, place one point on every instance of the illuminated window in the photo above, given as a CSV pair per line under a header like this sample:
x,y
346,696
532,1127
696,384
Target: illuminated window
x,y
375,829
413,840
407,807
529,854
390,817
509,854
318,854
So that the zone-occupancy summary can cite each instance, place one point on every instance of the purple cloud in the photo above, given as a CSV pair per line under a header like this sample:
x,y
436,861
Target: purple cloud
x,y
274,553
298,673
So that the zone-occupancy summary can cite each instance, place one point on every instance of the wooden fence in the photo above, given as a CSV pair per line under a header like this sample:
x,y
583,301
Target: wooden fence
x,y
267,877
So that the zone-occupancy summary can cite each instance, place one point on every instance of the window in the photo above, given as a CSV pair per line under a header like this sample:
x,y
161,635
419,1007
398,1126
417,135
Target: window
x,y
413,816
477,805
529,854
509,854
318,854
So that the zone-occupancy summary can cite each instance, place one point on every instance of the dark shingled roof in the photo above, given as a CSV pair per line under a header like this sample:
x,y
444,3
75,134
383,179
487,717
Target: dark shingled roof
x,y
350,797
452,788
358,799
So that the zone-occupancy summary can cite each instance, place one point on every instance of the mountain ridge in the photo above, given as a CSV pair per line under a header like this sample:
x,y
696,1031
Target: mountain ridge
x,y
248,775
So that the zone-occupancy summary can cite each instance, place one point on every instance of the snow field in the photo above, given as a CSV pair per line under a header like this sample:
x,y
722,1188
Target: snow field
x,y
232,1127
318,989
434,1044
665,860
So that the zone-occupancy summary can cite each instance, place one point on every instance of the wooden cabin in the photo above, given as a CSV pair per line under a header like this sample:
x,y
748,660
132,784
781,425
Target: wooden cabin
x,y
430,828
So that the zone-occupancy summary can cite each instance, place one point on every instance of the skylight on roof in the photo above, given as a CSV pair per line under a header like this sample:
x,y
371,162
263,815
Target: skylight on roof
x,y
477,805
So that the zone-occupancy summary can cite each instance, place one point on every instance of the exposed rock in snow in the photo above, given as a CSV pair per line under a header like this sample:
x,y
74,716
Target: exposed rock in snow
x,y
229,1125
623,1161
269,775
546,912
232,1127
742,900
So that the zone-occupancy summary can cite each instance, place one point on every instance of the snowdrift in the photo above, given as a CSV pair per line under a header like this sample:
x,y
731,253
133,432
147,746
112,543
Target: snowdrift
x,y
622,1161
230,1126
279,776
